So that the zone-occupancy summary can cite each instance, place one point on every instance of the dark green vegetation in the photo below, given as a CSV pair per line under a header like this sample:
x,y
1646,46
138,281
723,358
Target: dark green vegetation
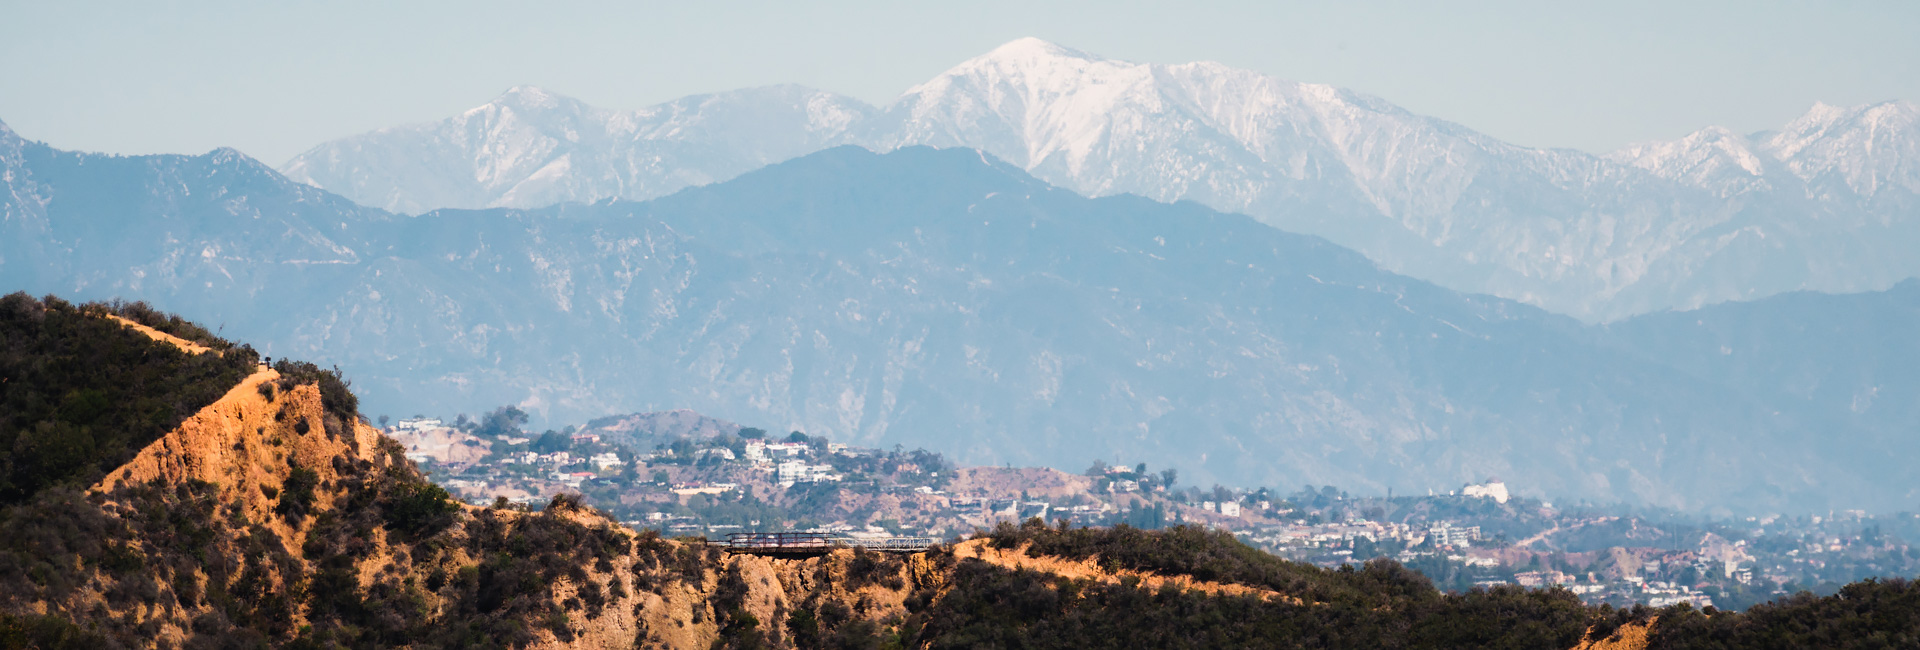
x,y
448,577
1867,614
181,554
500,602
81,394
1379,605
181,551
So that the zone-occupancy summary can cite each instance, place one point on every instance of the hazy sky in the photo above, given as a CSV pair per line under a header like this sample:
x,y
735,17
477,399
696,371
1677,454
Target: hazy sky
x,y
274,77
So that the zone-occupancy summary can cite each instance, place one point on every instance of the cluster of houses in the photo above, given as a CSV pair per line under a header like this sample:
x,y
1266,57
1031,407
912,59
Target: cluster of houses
x,y
787,461
602,461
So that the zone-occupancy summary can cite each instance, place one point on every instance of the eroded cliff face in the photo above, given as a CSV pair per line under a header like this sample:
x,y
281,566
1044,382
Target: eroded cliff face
x,y
274,515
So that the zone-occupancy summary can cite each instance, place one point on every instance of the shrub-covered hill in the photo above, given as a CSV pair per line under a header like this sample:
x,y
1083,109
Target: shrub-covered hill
x,y
80,393
1377,605
220,503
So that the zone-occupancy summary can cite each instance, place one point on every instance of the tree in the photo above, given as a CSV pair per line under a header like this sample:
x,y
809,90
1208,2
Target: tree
x,y
1098,469
502,422
1168,476
750,433
552,441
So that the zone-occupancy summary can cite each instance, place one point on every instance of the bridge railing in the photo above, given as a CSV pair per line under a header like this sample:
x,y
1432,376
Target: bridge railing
x,y
797,542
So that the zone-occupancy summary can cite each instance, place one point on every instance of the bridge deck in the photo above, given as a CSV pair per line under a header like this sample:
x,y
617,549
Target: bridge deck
x,y
785,543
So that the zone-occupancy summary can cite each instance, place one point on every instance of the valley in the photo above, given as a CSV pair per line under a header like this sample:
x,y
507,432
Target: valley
x,y
684,474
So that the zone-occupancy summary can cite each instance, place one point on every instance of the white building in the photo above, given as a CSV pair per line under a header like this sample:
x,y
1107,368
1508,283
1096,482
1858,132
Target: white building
x,y
794,471
418,424
1230,508
606,460
1444,534
1492,489
786,448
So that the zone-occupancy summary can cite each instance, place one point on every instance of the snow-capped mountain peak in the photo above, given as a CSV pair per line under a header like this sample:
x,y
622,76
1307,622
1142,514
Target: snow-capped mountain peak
x,y
1869,149
529,98
1029,48
1715,158
1653,226
530,147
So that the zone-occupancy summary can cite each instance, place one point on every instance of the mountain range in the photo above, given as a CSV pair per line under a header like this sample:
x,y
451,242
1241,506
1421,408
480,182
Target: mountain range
x,y
946,299
1827,202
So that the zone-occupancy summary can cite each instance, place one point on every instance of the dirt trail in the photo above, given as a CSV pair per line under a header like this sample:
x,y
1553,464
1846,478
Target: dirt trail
x,y
188,346
1090,569
1632,636
1543,535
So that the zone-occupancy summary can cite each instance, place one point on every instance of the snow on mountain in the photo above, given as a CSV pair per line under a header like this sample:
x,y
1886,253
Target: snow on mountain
x,y
1861,151
1651,227
1827,203
529,148
1421,196
1870,149
1713,158
941,298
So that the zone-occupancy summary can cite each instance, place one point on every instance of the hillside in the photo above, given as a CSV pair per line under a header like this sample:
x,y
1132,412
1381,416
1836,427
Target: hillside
x,y
275,516
945,300
1826,202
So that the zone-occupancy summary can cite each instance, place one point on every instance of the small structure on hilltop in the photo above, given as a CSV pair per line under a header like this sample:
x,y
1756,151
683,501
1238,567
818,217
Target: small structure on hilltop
x,y
1492,489
816,543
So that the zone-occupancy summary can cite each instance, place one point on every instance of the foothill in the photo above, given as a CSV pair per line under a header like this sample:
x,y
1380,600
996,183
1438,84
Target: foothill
x,y
686,474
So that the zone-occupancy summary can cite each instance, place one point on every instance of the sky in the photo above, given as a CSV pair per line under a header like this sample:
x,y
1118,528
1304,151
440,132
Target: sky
x,y
273,78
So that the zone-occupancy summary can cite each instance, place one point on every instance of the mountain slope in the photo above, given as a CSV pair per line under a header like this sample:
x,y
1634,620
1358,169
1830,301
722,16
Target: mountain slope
x,y
942,299
945,300
1843,366
159,225
275,516
531,148
1823,204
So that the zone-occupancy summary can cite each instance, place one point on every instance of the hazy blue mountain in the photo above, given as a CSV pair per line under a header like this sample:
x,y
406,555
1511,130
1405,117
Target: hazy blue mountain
x,y
217,229
1844,368
945,299
1825,203
532,148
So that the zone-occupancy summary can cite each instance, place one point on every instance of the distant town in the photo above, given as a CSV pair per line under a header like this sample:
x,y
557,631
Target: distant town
x,y
686,474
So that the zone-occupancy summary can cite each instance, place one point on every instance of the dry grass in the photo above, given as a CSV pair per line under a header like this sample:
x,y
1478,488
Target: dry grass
x,y
1090,569
188,346
1632,636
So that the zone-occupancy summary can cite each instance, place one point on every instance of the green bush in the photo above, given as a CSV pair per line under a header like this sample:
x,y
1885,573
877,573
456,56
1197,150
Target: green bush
x,y
81,394
419,508
296,493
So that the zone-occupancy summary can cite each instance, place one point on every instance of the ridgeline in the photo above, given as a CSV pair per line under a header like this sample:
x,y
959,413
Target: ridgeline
x,y
159,487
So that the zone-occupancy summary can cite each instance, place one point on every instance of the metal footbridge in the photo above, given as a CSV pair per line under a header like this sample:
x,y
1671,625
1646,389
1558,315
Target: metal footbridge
x,y
818,543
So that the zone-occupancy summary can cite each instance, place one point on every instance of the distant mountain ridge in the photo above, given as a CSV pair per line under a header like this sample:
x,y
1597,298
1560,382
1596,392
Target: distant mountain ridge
x,y
531,148
1826,203
947,300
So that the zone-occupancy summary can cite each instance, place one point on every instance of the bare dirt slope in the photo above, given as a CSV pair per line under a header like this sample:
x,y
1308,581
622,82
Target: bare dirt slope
x,y
1037,481
189,346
